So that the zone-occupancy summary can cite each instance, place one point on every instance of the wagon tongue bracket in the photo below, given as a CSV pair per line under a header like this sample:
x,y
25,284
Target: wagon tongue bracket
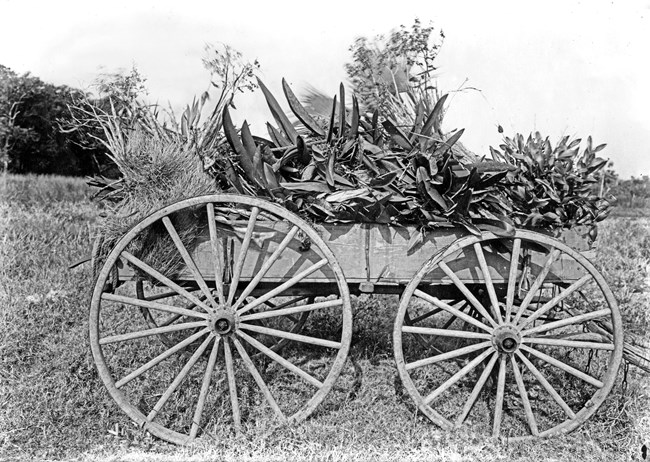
x,y
506,339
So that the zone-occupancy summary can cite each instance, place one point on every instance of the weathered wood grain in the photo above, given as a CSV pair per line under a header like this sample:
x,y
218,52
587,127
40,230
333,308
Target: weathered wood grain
x,y
376,253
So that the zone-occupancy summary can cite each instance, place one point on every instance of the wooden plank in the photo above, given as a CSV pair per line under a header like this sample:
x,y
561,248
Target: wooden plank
x,y
368,252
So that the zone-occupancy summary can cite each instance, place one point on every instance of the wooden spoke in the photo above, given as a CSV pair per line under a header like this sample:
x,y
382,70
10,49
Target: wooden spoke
x,y
547,386
267,265
216,254
258,379
555,300
232,386
530,418
290,311
448,355
459,314
476,391
512,277
281,288
280,360
164,355
165,280
467,293
179,379
149,332
555,253
498,405
569,343
488,282
446,332
565,367
154,305
290,336
189,262
242,254
457,376
566,322
205,386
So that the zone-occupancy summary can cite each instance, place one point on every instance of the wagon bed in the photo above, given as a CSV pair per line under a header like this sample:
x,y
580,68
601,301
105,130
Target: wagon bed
x,y
374,257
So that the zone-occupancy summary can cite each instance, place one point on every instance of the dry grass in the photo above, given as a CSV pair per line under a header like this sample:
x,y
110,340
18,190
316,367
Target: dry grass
x,y
53,405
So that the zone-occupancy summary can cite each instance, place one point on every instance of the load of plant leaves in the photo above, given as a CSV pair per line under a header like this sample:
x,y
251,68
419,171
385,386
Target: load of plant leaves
x,y
553,186
363,168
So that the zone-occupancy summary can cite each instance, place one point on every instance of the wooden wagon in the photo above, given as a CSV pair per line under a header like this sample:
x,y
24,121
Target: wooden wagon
x,y
227,312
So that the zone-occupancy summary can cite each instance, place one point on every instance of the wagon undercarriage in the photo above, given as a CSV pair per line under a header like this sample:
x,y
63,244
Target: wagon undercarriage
x,y
224,313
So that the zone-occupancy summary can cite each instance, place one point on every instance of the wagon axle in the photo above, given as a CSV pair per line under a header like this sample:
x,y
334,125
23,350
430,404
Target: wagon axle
x,y
222,322
506,338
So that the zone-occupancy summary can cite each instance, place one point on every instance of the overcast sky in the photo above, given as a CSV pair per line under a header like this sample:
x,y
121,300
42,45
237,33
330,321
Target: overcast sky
x,y
559,67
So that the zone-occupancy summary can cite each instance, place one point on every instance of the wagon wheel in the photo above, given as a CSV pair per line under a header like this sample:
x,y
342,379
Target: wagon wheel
x,y
291,323
260,259
538,361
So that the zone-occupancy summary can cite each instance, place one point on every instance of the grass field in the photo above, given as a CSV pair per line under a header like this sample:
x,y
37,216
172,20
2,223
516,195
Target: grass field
x,y
54,406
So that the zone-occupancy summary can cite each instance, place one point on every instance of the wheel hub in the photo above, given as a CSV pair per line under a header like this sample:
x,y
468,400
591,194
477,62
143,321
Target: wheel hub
x,y
223,322
506,339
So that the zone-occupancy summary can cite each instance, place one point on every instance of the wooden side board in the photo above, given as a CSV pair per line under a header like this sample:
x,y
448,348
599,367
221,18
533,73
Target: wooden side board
x,y
379,254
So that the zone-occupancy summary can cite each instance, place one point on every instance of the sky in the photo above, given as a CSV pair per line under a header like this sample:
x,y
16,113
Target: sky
x,y
569,67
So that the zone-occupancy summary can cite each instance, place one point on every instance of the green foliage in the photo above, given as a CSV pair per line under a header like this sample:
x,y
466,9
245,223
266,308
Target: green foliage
x,y
32,137
631,193
553,186
358,169
394,73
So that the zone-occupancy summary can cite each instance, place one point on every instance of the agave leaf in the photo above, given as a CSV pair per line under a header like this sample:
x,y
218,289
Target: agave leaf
x,y
446,145
342,180
415,241
468,226
462,202
342,196
232,177
304,155
247,140
245,160
490,179
376,135
330,131
258,169
419,116
307,186
342,122
300,112
308,172
424,184
397,135
384,180
277,137
434,119
329,173
354,124
277,112
270,176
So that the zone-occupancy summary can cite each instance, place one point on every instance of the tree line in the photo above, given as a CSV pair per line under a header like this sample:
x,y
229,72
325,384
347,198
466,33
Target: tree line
x,y
36,129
